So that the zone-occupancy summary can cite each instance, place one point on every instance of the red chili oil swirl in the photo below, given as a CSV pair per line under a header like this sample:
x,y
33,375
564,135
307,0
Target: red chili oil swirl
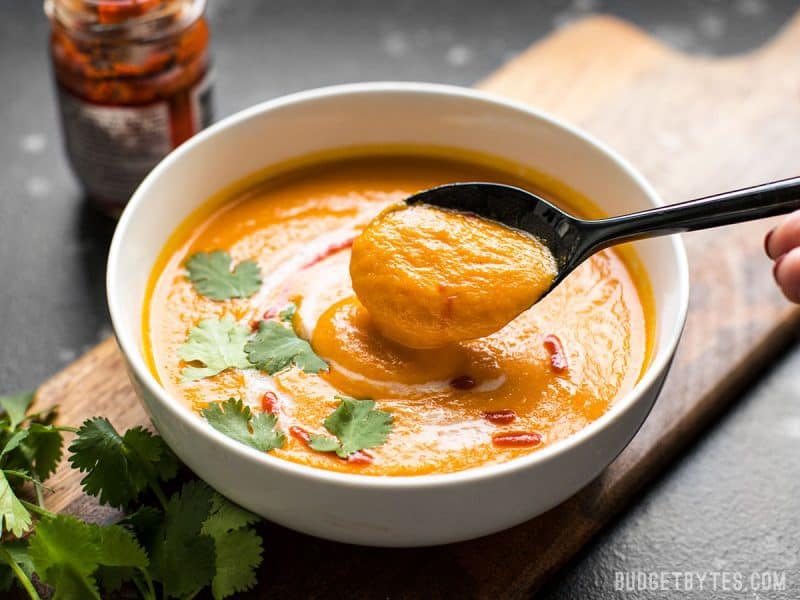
x,y
517,439
500,417
558,358
329,251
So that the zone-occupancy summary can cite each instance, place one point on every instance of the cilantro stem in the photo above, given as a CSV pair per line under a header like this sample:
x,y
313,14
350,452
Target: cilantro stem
x,y
20,474
19,573
149,592
32,478
66,428
156,487
39,510
38,485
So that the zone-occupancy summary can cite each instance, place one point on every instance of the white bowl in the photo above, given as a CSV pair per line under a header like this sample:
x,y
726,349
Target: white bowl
x,y
360,509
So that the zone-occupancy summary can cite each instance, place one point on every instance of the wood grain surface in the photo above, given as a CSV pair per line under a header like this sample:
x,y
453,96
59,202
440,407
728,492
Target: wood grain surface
x,y
693,126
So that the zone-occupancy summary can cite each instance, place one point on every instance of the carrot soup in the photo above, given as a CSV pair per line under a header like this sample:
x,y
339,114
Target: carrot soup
x,y
251,320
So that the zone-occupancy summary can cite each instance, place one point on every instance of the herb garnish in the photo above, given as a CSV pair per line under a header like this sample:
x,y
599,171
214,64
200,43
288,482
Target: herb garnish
x,y
217,346
356,425
287,314
167,547
275,348
236,420
103,454
211,274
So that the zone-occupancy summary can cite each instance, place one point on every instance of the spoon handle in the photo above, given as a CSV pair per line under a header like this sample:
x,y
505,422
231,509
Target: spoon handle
x,y
757,202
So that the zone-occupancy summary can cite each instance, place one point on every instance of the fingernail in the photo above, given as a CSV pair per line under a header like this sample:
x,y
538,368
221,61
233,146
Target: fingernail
x,y
777,265
767,239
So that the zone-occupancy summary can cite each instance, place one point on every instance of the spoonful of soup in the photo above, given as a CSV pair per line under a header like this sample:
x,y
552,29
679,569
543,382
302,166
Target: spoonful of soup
x,y
460,261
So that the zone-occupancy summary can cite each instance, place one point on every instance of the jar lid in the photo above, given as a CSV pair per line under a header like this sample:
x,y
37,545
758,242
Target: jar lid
x,y
124,20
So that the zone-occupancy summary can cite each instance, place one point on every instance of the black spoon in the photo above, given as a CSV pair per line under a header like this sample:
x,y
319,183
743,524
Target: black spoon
x,y
573,240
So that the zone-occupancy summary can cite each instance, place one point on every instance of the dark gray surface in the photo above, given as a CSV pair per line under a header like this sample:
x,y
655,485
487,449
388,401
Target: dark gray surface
x,y
730,504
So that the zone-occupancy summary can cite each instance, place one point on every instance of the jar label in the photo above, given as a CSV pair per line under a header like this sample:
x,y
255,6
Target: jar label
x,y
112,148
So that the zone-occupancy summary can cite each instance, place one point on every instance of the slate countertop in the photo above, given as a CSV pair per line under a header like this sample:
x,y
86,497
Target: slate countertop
x,y
730,504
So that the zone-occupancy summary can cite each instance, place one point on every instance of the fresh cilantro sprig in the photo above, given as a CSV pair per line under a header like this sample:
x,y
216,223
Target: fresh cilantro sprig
x,y
215,346
356,425
211,274
119,468
71,555
30,448
235,419
191,540
275,348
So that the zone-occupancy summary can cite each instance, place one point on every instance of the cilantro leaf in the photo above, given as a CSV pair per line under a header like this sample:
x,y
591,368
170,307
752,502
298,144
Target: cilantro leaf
x,y
118,467
14,517
287,314
118,548
275,348
181,558
42,447
236,420
145,522
65,555
36,449
216,345
211,274
120,555
226,516
238,554
237,547
14,441
323,443
15,406
18,552
356,424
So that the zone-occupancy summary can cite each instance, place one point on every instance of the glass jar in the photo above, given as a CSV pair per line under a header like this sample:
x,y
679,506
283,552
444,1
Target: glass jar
x,y
133,82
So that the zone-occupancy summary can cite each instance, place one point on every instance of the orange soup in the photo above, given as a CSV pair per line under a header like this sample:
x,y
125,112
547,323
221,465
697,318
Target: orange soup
x,y
252,299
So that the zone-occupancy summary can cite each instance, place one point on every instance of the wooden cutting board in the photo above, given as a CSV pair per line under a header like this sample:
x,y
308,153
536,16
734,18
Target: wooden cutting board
x,y
693,126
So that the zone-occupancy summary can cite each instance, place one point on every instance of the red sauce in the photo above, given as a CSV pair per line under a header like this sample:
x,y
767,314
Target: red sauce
x,y
271,312
500,417
301,434
269,402
517,439
330,250
462,382
558,358
359,457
